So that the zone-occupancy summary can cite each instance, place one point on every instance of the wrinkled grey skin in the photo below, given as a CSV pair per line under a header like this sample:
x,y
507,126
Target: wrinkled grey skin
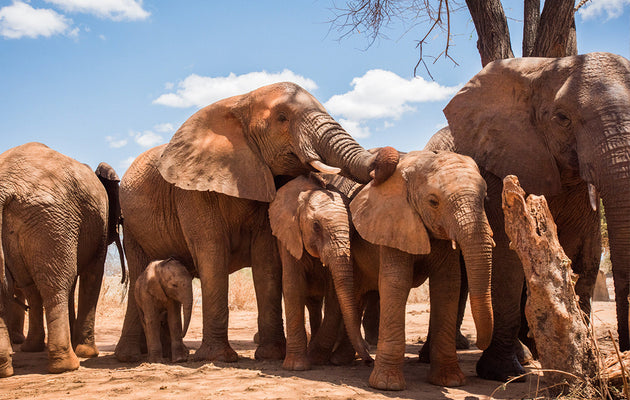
x,y
165,287
54,229
562,125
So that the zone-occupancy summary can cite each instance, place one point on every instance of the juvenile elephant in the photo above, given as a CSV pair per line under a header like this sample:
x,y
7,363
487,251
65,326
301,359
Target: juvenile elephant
x,y
204,196
164,287
408,227
562,125
54,227
313,226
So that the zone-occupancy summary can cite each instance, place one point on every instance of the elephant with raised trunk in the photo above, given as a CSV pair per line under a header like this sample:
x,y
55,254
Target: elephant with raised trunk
x,y
203,198
408,226
163,289
562,125
54,228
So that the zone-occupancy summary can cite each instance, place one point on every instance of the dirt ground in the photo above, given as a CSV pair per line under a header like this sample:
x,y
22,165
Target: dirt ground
x,y
106,378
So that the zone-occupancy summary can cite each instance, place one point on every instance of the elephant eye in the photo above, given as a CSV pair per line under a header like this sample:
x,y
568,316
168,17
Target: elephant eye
x,y
317,227
282,118
561,119
433,201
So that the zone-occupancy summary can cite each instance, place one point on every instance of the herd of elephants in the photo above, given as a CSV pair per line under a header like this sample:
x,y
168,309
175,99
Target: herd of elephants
x,y
269,180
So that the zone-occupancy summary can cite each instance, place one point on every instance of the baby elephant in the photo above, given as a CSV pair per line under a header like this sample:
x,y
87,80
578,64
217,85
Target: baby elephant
x,y
163,288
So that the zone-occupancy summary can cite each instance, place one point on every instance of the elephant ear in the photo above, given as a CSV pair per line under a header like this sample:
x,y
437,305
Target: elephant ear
x,y
382,215
491,120
210,152
284,214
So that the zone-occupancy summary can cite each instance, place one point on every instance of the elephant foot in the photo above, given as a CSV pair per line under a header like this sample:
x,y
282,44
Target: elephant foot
x,y
387,378
447,375
86,350
6,366
33,345
127,351
217,352
272,351
424,354
523,354
499,368
62,361
461,342
343,355
317,354
179,354
296,362
155,358
17,337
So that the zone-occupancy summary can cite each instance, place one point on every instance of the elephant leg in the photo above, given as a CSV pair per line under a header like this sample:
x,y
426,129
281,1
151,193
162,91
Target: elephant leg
x,y
444,286
394,283
132,338
6,361
267,276
461,342
152,324
91,277
36,338
322,344
179,351
72,317
371,311
295,294
61,357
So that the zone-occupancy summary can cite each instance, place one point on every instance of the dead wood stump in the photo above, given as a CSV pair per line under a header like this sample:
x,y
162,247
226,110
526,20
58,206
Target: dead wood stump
x,y
562,337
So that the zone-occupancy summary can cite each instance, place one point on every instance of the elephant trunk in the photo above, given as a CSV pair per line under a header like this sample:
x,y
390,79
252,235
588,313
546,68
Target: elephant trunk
x,y
187,304
336,147
475,239
341,267
609,171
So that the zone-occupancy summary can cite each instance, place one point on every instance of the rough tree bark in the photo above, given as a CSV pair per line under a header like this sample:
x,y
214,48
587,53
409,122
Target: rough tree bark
x,y
493,34
531,14
556,33
562,337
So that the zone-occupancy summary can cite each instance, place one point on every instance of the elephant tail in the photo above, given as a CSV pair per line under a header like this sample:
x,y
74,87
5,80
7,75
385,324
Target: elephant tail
x,y
121,254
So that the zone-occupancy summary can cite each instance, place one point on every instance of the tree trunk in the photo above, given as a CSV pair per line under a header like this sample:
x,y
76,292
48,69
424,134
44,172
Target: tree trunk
x,y
555,319
531,14
556,32
493,34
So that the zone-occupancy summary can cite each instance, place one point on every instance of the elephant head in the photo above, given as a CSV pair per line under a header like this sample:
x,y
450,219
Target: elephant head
x,y
237,146
436,195
110,180
175,281
307,216
557,122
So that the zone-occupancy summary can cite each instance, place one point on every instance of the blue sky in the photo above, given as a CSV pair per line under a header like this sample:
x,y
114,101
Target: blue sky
x,y
104,80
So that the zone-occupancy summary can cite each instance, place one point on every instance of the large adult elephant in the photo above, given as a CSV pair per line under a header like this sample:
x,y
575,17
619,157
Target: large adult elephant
x,y
562,125
203,198
54,227
408,226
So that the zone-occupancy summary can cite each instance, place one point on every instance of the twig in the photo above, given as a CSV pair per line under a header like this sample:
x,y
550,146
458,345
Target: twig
x,y
621,366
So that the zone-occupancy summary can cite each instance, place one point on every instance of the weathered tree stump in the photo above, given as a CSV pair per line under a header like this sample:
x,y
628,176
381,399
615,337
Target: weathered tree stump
x,y
562,337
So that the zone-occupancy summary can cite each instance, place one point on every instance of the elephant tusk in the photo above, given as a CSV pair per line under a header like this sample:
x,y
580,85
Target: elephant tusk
x,y
592,196
492,242
454,245
327,169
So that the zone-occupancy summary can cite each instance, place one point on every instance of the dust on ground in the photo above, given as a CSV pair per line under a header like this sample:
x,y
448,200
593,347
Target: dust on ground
x,y
106,378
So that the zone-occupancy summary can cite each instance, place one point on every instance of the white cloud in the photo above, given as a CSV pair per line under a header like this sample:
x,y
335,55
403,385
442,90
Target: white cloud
x,y
164,128
102,37
200,91
117,10
21,20
127,162
382,94
147,138
596,8
116,143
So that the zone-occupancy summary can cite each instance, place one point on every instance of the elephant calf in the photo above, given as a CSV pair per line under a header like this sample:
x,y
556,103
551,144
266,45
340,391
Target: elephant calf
x,y
161,290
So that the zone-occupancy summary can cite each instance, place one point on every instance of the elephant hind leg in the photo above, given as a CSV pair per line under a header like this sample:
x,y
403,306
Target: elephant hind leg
x,y
90,281
36,338
61,357
132,338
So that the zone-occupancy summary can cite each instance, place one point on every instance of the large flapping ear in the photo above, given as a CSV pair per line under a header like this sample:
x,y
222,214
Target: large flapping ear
x,y
210,152
491,120
382,215
284,214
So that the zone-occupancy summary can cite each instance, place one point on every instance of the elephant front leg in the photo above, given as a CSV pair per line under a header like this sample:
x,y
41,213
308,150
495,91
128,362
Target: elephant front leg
x,y
444,285
294,290
179,351
267,276
213,274
6,362
395,277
